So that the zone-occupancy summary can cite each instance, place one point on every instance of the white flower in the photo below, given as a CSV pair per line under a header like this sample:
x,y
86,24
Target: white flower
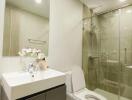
x,y
24,50
22,54
29,50
32,53
34,50
41,56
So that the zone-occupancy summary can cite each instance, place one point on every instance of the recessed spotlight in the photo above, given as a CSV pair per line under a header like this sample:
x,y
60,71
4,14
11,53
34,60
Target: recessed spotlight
x,y
38,1
122,0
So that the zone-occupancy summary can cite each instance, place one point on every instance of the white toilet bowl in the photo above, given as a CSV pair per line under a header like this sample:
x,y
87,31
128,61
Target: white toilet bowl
x,y
86,94
76,87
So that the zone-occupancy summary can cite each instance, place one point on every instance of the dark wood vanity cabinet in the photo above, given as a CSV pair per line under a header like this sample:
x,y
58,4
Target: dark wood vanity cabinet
x,y
57,93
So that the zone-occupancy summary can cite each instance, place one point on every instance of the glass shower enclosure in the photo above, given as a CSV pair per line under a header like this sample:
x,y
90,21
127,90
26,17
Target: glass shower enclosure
x,y
107,53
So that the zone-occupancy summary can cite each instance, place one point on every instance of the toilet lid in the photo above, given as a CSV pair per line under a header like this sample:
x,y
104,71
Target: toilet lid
x,y
86,94
69,81
78,81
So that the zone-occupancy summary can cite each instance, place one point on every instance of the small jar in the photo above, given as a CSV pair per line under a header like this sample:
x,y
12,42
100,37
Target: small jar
x,y
42,63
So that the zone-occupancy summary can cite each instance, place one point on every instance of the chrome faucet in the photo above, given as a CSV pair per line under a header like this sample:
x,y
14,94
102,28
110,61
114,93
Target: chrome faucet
x,y
31,69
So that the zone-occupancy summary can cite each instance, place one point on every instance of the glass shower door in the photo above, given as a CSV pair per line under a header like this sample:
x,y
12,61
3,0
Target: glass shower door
x,y
108,68
107,54
126,51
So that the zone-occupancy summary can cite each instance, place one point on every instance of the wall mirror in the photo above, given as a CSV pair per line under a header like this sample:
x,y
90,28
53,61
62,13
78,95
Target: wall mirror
x,y
26,26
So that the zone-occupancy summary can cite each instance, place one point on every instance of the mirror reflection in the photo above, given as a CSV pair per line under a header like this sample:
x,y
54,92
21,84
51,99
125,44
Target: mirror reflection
x,y
26,26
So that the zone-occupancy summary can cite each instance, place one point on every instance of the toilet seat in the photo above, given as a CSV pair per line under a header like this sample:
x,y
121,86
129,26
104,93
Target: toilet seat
x,y
76,87
89,96
86,94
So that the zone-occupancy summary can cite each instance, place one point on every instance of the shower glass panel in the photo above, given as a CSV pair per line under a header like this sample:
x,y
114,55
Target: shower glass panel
x,y
106,28
126,51
108,52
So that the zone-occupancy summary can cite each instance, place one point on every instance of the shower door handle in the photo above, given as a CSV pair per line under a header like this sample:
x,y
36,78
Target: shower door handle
x,y
125,59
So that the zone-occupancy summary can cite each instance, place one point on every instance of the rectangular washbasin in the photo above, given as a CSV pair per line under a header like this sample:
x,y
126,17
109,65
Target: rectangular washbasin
x,y
21,84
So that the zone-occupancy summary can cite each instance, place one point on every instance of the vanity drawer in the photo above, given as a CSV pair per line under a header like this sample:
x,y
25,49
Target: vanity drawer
x,y
37,97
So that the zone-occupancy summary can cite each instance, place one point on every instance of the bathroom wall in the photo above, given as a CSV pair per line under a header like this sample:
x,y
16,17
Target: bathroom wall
x,y
65,42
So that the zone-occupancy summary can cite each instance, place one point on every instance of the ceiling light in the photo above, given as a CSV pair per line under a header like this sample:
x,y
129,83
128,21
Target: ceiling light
x,y
38,1
129,11
122,0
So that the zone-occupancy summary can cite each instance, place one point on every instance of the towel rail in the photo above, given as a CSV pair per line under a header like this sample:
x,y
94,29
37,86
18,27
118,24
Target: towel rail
x,y
33,41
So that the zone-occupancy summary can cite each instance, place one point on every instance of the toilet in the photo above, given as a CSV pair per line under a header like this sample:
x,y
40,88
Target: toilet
x,y
76,87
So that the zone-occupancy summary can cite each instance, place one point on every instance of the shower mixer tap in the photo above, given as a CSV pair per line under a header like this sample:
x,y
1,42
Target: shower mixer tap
x,y
93,57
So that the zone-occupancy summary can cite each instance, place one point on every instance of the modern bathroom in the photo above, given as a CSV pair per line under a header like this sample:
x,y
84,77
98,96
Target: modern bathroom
x,y
65,50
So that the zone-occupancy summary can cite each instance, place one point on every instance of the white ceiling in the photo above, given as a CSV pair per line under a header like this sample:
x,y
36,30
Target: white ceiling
x,y
31,6
100,6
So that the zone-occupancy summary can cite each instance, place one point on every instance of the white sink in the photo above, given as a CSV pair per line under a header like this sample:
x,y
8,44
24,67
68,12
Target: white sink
x,y
21,84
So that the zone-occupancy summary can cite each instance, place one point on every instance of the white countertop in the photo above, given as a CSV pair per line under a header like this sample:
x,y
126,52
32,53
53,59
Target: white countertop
x,y
21,84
